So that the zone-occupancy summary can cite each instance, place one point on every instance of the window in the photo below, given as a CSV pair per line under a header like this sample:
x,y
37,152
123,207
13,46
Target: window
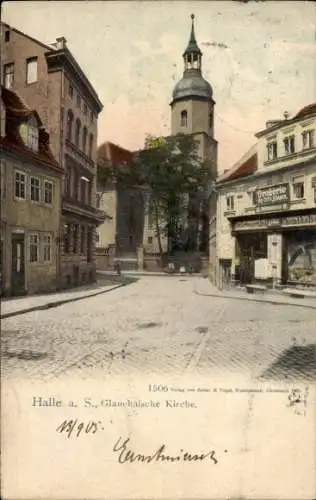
x,y
67,238
85,108
90,145
68,181
75,238
48,192
70,120
308,139
8,75
78,101
289,145
76,185
150,240
91,116
314,194
184,118
31,70
47,248
272,150
83,183
77,132
32,137
230,203
298,189
84,139
210,120
82,240
7,36
19,185
34,248
35,189
71,91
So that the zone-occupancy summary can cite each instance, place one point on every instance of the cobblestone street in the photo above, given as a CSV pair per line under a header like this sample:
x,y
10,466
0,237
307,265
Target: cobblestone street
x,y
165,325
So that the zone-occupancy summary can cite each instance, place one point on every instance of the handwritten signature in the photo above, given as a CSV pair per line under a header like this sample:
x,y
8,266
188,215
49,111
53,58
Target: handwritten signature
x,y
126,454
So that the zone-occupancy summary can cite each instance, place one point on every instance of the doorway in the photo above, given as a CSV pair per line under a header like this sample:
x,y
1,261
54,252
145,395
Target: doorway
x,y
18,264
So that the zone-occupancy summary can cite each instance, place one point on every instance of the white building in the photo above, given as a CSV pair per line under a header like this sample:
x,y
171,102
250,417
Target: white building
x,y
266,207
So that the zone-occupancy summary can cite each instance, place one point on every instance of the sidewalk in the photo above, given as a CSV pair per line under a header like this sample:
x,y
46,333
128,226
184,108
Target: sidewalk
x,y
276,297
15,306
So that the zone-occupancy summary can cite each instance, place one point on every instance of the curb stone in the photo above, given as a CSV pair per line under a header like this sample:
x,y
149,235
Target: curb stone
x,y
251,299
50,305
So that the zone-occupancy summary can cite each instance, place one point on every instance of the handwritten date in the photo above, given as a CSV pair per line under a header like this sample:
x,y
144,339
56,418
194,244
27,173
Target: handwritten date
x,y
76,428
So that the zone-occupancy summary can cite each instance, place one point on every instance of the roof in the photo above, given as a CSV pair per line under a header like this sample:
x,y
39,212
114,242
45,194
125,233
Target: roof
x,y
192,46
18,112
54,56
247,165
116,155
307,110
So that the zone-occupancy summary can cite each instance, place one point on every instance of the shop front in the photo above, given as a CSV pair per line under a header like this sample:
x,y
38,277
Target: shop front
x,y
276,248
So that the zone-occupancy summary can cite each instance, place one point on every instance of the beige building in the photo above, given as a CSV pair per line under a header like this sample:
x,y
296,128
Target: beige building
x,y
31,182
120,236
266,211
51,81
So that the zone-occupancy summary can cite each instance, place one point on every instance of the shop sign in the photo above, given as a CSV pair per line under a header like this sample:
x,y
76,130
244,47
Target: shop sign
x,y
272,195
277,222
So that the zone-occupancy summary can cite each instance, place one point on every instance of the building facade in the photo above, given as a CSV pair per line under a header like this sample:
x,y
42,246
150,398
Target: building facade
x,y
51,81
266,211
31,181
120,236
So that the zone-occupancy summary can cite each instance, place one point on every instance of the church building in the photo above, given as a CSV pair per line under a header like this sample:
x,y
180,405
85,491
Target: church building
x,y
192,112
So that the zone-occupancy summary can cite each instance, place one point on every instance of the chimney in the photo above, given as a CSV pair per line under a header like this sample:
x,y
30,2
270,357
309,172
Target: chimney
x,y
286,115
61,43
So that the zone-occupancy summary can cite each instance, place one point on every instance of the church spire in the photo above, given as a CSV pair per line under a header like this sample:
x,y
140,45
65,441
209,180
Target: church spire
x,y
192,55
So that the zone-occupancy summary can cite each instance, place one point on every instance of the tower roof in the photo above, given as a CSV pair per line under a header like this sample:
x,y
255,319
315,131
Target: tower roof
x,y
192,47
192,85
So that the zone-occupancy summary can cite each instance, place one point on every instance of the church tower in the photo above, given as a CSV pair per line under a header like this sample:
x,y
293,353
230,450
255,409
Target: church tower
x,y
192,112
192,105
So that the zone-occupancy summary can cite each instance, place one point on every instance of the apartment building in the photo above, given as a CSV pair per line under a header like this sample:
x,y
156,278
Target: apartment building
x,y
31,181
50,80
266,208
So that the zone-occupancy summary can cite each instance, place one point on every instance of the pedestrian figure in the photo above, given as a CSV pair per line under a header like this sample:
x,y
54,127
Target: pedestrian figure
x,y
117,267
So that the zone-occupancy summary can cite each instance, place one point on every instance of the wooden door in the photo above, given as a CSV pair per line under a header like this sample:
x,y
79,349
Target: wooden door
x,y
18,264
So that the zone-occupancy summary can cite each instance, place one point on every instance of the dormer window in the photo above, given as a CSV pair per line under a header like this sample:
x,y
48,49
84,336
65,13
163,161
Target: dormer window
x,y
184,118
289,145
30,134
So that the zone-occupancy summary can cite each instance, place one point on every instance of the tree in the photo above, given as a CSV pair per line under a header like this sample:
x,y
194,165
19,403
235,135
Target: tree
x,y
174,173
171,170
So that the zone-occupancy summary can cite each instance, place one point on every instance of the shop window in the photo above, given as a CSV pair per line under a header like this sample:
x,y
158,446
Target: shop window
x,y
67,238
184,118
272,149
289,145
230,203
308,139
298,190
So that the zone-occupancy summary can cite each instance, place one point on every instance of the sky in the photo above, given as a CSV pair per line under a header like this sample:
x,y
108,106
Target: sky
x,y
259,57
